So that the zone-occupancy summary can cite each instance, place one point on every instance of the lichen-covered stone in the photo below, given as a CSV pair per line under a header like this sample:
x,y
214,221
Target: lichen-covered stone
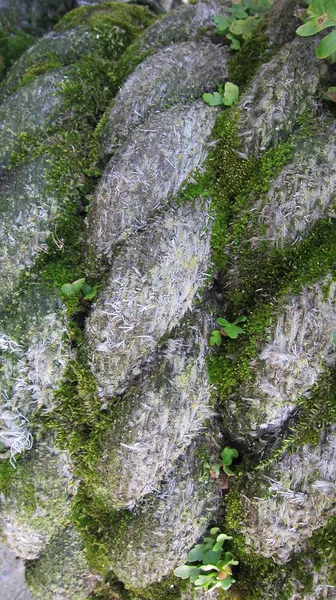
x,y
151,286
57,49
32,107
178,74
155,422
148,173
288,364
161,530
27,214
37,16
62,571
190,22
38,501
296,498
276,96
303,193
282,23
34,351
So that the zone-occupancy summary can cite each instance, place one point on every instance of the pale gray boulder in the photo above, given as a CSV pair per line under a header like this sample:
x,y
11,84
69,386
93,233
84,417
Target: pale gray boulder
x,y
147,173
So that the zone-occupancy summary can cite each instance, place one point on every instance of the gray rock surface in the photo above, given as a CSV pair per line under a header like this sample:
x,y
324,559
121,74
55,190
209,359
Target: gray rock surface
x,y
179,74
148,173
12,576
151,286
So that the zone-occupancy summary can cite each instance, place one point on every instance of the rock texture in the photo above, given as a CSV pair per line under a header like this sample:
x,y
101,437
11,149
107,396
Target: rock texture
x,y
114,408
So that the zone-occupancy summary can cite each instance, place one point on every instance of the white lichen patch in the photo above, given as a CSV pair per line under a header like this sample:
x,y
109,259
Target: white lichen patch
x,y
303,193
178,74
276,96
38,503
155,422
300,495
33,106
168,523
148,172
27,216
289,365
30,373
152,284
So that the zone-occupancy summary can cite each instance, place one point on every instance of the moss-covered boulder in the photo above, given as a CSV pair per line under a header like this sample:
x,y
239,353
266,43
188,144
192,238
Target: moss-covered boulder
x,y
133,216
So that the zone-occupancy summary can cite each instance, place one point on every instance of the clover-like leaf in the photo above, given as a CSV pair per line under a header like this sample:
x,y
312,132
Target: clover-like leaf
x,y
183,572
197,553
92,294
214,530
214,99
215,338
67,289
77,285
233,331
315,25
211,557
231,92
235,43
238,11
223,537
226,583
223,23
209,568
245,27
240,319
223,322
228,454
327,46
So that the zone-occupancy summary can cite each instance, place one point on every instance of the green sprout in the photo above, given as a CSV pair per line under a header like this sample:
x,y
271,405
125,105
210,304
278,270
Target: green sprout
x,y
320,15
227,455
228,329
70,289
242,22
208,565
227,95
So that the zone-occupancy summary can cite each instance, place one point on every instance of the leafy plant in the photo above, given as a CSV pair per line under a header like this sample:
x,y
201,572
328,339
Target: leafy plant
x,y
227,95
243,20
320,15
208,565
227,456
226,329
70,289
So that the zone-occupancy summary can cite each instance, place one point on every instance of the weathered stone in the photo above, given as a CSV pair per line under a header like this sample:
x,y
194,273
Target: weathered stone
x,y
151,286
288,365
302,194
34,352
27,217
32,107
155,422
160,531
299,497
178,74
276,96
38,502
61,571
148,173
60,48
12,576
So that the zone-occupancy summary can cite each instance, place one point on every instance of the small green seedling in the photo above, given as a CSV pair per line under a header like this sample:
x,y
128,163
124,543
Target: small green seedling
x,y
320,15
70,289
242,21
208,565
226,96
228,329
227,456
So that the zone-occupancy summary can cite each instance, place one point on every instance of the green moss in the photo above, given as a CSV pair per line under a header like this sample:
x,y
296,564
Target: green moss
x,y
243,65
168,589
40,68
7,472
135,16
13,43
